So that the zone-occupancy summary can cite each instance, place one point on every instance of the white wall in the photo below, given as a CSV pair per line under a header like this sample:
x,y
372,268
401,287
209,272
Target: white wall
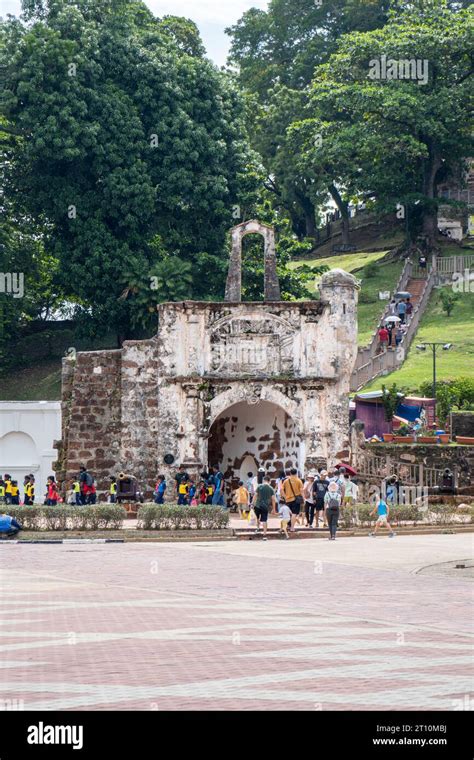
x,y
27,432
263,433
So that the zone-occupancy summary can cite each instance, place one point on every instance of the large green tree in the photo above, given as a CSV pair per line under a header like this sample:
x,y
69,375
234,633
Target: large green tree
x,y
127,135
276,52
397,129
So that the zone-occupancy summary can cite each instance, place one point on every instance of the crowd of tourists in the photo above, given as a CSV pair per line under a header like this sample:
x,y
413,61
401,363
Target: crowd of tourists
x,y
313,502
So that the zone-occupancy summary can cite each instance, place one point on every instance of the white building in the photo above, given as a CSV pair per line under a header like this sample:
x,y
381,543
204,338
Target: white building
x,y
27,432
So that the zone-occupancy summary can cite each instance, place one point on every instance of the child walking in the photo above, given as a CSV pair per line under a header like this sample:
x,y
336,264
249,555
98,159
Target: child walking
x,y
241,498
383,511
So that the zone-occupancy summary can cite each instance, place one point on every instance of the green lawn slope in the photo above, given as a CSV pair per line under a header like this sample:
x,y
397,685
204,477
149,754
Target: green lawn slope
x,y
435,326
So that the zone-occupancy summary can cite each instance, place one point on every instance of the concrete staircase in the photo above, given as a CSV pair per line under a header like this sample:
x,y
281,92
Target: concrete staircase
x,y
371,364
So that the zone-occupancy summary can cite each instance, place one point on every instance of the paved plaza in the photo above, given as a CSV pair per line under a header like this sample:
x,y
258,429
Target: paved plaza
x,y
297,625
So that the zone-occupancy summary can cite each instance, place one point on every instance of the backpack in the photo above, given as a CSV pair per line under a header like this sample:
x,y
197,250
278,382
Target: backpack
x,y
334,502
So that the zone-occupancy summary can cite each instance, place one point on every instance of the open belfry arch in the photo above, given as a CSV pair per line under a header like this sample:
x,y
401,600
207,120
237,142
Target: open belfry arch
x,y
233,290
224,383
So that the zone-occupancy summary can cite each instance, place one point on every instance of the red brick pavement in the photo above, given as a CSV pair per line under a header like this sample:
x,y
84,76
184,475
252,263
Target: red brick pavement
x,y
160,627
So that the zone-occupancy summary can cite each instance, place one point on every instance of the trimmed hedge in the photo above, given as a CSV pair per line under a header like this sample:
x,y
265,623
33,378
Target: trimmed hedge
x,y
172,517
62,517
398,515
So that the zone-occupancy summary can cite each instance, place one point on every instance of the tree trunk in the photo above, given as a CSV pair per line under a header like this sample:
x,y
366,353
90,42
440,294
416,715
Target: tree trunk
x,y
307,207
430,215
343,207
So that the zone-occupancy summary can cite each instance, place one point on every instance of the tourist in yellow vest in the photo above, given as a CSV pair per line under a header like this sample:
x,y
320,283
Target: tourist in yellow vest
x,y
8,488
29,491
76,490
113,490
2,491
15,492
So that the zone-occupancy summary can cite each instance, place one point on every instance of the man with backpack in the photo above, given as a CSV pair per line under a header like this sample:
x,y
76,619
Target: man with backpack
x,y
292,490
332,501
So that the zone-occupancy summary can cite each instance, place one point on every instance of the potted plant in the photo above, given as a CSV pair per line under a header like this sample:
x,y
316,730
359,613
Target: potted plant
x,y
428,436
390,402
402,434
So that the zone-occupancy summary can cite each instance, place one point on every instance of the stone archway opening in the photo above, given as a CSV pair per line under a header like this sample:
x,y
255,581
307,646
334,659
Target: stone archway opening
x,y
262,434
253,276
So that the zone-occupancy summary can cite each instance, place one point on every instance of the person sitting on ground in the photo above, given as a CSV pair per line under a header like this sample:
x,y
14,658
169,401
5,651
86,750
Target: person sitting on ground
x,y
263,500
292,489
383,510
241,498
9,526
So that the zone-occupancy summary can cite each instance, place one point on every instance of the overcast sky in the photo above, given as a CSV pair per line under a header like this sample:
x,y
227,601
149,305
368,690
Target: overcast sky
x,y
211,16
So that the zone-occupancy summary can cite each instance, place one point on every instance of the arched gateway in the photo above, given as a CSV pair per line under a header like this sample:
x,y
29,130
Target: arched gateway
x,y
231,382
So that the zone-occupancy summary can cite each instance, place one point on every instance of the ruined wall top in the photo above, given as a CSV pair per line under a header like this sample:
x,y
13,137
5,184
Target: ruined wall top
x,y
233,291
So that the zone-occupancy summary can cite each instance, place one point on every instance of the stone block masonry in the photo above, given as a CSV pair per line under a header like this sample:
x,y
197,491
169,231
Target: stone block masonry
x,y
213,371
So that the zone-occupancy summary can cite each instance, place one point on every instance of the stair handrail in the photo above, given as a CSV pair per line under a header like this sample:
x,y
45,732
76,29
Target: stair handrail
x,y
390,360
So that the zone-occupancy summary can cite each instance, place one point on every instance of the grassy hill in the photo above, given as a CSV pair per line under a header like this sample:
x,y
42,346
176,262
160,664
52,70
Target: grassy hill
x,y
437,327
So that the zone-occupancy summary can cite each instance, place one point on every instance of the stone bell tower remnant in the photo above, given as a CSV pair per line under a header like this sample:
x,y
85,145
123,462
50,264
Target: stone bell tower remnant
x,y
233,290
231,383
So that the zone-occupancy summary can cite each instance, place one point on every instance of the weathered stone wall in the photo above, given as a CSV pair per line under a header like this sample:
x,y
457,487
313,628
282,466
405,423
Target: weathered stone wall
x,y
462,423
158,399
139,411
91,416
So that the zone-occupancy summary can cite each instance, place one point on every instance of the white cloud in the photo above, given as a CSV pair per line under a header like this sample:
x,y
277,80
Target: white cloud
x,y
223,12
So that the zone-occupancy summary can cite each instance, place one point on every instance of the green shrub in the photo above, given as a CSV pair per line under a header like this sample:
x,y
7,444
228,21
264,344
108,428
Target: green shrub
x,y
173,517
62,517
405,513
363,511
370,270
98,517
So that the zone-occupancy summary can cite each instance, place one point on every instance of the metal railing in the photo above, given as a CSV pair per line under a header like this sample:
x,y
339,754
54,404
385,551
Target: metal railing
x,y
377,468
390,360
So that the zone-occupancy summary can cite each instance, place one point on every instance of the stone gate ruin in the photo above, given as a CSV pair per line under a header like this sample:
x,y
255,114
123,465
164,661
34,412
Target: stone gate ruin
x,y
234,384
